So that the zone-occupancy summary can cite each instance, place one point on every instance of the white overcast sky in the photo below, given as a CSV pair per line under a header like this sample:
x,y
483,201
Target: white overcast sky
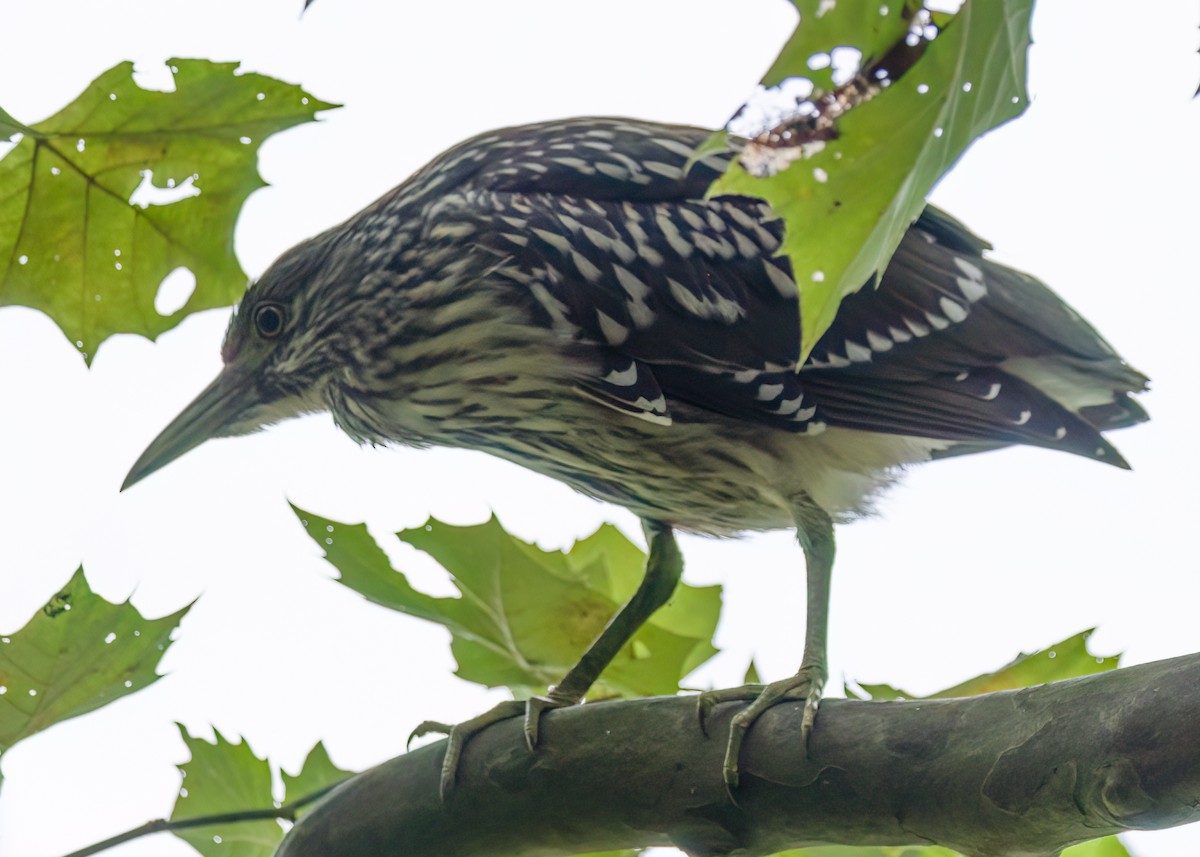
x,y
969,562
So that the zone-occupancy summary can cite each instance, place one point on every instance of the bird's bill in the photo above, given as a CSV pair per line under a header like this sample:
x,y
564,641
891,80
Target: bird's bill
x,y
211,414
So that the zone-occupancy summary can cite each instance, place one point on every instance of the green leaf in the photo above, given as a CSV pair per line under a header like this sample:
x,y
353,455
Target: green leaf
x,y
752,676
10,126
526,615
1107,846
78,653
1066,659
318,772
847,206
72,244
871,851
224,777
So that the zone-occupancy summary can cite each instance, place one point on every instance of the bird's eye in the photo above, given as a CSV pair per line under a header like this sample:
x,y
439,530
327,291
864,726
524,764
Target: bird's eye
x,y
268,319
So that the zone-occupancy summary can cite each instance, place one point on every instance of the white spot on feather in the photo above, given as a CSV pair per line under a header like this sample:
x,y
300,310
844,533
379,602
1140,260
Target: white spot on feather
x,y
623,378
937,321
585,267
614,332
954,311
614,171
877,342
783,284
857,353
767,392
558,242
788,406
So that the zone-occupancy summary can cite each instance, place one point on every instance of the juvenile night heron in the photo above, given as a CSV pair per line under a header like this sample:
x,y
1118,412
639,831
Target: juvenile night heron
x,y
563,296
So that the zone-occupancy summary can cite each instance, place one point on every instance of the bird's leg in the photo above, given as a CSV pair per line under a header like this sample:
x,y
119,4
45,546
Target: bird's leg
x,y
814,531
664,565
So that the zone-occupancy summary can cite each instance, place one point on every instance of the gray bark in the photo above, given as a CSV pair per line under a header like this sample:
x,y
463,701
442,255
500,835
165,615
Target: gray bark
x,y
1008,774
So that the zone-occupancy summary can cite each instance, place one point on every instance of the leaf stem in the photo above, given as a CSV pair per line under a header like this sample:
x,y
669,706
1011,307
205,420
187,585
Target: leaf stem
x,y
287,812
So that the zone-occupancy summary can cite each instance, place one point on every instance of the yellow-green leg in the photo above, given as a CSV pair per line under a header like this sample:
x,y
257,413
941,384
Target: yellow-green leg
x,y
664,565
814,531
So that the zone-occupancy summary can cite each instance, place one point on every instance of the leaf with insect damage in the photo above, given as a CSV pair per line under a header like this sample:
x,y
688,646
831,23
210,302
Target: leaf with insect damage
x,y
849,170
76,243
78,653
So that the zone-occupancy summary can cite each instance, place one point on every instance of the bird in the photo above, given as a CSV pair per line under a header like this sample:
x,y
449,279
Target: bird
x,y
564,295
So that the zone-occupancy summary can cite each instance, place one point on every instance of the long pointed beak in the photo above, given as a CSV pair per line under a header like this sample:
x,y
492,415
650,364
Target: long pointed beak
x,y
214,413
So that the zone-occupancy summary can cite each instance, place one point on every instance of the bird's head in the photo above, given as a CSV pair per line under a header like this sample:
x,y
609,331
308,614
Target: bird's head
x,y
278,364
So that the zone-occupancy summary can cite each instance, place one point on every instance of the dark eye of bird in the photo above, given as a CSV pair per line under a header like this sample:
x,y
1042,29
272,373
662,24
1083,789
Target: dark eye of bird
x,y
268,319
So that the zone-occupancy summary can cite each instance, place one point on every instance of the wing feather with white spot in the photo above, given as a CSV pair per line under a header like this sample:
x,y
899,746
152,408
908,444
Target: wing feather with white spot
x,y
604,227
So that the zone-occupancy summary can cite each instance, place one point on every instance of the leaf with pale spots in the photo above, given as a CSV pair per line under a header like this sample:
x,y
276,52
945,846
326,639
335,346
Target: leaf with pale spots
x,y
526,615
73,245
1067,659
224,777
78,653
848,203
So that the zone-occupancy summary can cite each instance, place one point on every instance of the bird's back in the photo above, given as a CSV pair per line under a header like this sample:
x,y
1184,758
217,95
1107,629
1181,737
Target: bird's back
x,y
662,367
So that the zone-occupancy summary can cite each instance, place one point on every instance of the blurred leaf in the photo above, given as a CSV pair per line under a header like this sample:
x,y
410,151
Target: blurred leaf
x,y
78,653
1066,659
224,777
526,615
317,772
847,206
1108,846
871,851
752,676
71,242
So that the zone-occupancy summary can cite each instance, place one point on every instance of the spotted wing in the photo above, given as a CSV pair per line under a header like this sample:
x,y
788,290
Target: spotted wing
x,y
682,298
954,346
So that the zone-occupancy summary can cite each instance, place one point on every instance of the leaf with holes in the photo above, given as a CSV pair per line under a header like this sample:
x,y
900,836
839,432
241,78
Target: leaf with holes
x,y
526,615
226,777
74,245
847,202
78,653
1066,659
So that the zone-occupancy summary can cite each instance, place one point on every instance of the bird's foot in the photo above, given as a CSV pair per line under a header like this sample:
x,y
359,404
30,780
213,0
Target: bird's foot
x,y
805,685
459,734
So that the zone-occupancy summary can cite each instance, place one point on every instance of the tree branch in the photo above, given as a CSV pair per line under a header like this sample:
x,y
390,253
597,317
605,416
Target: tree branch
x,y
1008,774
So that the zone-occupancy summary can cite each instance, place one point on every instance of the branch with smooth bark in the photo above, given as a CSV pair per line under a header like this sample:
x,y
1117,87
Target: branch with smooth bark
x,y
1009,774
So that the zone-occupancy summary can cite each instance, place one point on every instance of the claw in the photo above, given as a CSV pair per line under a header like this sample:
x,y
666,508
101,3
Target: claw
x,y
427,727
710,699
458,735
806,684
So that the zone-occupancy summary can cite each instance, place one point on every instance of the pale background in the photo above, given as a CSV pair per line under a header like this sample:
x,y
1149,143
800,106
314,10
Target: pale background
x,y
969,562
